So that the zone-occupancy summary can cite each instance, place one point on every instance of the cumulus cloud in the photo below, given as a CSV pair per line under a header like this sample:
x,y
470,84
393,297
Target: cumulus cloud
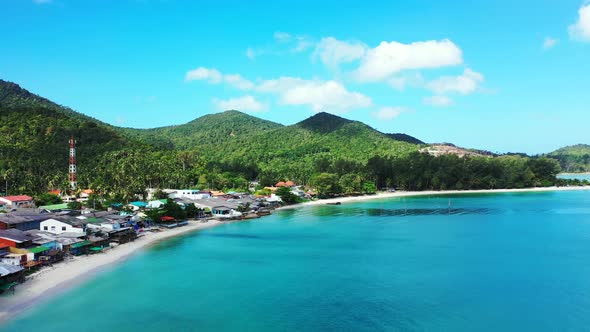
x,y
388,113
332,52
244,104
324,96
581,29
317,94
439,101
389,58
214,76
462,84
549,43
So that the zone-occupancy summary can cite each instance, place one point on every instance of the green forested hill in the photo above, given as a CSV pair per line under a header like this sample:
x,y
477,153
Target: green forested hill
x,y
227,149
574,158
230,127
34,134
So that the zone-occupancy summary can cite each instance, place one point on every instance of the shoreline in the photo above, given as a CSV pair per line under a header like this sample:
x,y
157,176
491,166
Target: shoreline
x,y
52,281
401,194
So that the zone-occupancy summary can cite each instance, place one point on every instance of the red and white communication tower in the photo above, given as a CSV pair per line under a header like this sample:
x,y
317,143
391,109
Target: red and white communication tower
x,y
73,182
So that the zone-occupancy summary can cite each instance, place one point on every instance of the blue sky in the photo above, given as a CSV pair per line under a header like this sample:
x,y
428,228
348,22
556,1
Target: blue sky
x,y
498,75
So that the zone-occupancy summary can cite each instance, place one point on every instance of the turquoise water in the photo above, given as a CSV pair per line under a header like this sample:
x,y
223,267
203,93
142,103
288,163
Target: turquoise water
x,y
573,176
501,262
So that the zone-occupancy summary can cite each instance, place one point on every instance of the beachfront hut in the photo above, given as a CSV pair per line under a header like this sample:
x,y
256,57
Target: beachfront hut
x,y
80,248
123,235
10,276
224,212
39,251
15,238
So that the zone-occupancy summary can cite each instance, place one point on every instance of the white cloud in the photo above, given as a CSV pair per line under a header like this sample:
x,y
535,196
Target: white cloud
x,y
389,113
332,52
213,76
387,59
462,84
581,29
282,37
244,104
439,101
549,43
324,96
40,2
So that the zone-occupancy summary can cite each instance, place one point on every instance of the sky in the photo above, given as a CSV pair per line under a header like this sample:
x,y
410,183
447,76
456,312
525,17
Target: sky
x,y
499,75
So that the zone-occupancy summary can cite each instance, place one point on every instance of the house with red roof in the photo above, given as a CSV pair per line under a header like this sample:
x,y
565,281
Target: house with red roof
x,y
19,201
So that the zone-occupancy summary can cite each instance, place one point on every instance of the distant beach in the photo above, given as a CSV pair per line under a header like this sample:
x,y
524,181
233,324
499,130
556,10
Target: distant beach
x,y
399,194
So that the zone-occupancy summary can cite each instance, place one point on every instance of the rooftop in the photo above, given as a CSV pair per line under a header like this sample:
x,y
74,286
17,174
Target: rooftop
x,y
14,235
6,269
17,198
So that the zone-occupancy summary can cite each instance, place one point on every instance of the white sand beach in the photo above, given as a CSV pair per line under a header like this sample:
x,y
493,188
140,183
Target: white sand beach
x,y
399,194
51,281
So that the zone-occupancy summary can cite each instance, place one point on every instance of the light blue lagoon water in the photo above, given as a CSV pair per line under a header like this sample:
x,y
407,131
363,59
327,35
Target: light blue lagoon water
x,y
497,262
574,176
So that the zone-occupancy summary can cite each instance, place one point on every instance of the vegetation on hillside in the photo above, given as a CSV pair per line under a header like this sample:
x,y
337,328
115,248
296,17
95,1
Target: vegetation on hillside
x,y
575,158
227,150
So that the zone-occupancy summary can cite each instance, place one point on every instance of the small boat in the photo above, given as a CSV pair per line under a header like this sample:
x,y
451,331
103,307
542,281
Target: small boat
x,y
334,203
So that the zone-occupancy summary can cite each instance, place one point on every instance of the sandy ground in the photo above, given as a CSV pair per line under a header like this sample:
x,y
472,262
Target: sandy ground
x,y
384,195
50,281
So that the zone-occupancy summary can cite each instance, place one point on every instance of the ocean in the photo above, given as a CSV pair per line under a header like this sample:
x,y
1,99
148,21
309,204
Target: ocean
x,y
486,262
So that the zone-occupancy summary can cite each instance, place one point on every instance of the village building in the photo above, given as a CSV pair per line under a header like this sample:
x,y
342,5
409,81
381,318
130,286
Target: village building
x,y
54,207
189,193
10,276
19,201
59,226
15,238
156,204
22,220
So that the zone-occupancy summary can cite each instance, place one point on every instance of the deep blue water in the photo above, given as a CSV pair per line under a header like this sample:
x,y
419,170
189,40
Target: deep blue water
x,y
496,262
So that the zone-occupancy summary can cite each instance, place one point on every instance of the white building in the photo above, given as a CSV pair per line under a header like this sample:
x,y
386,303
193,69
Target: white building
x,y
156,204
189,193
18,201
58,227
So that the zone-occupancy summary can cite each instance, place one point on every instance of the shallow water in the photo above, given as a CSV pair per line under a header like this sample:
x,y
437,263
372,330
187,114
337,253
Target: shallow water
x,y
483,262
573,176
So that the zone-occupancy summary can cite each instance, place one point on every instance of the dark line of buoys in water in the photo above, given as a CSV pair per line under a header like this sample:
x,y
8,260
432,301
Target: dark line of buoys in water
x,y
402,212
